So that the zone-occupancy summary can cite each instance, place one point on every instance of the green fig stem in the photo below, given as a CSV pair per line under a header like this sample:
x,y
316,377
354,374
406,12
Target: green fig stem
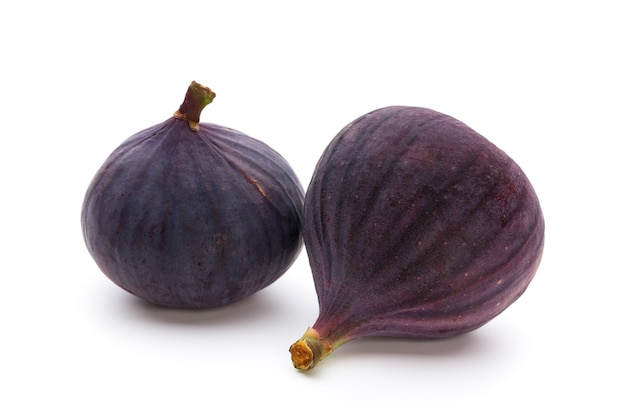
x,y
309,350
196,99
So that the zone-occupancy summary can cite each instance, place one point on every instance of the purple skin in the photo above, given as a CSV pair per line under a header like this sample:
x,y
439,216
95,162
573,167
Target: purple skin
x,y
416,226
193,219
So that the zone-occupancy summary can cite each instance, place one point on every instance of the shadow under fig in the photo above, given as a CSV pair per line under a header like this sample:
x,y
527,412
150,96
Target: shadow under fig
x,y
462,345
258,306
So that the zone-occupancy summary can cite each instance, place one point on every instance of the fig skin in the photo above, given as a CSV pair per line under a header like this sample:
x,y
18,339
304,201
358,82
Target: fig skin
x,y
415,226
193,215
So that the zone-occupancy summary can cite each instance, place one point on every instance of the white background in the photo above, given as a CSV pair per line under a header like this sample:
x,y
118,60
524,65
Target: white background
x,y
543,80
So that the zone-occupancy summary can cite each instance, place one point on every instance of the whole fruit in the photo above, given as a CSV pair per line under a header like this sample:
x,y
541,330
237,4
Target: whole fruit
x,y
415,226
193,215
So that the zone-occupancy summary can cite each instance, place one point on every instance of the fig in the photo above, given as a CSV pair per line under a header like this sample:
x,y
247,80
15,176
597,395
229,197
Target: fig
x,y
193,215
415,226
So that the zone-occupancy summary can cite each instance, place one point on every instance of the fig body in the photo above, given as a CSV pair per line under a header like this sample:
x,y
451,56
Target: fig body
x,y
415,226
193,215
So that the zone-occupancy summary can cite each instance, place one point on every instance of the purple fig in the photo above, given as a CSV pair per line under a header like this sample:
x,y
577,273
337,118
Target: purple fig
x,y
193,215
415,226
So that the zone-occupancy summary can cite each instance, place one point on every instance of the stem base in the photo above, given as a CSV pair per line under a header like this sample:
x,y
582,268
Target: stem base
x,y
309,350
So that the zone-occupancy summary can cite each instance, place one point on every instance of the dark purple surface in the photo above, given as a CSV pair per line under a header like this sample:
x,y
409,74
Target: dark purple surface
x,y
417,226
193,219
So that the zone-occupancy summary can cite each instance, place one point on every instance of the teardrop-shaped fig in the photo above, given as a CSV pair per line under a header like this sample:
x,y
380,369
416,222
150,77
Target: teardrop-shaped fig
x,y
415,226
193,215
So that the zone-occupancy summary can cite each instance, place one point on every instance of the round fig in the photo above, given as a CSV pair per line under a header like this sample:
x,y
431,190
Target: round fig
x,y
193,215
415,226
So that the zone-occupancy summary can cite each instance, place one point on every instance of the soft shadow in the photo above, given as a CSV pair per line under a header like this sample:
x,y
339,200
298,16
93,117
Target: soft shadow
x,y
258,306
468,343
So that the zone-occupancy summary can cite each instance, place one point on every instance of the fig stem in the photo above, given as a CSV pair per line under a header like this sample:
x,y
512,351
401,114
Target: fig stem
x,y
309,350
196,99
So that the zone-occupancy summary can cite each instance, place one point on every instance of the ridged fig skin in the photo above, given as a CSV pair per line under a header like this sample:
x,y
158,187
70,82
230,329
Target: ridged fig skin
x,y
417,226
193,220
